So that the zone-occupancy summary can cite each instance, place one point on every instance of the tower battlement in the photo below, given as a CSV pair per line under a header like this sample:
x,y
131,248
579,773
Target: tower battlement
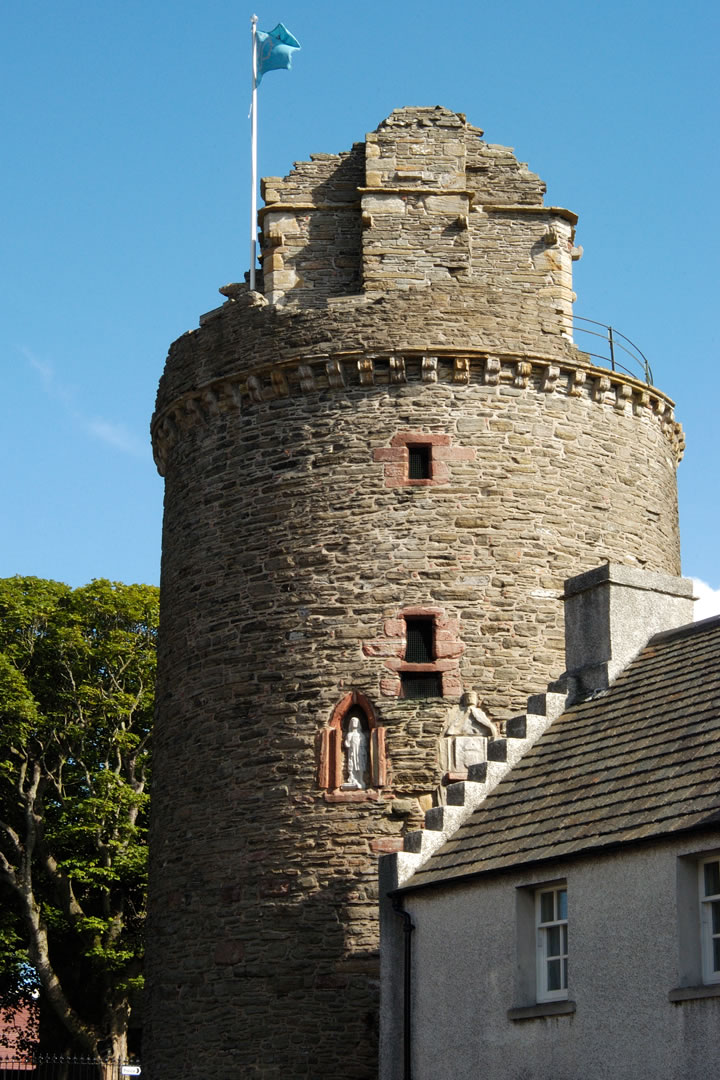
x,y
424,254
423,202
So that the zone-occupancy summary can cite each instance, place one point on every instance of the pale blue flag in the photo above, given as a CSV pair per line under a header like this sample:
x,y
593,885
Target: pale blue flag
x,y
274,50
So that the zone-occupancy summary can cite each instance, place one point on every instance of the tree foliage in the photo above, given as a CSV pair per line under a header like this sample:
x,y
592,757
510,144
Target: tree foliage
x,y
77,671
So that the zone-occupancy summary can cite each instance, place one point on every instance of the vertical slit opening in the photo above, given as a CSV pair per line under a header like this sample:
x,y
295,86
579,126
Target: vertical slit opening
x,y
419,462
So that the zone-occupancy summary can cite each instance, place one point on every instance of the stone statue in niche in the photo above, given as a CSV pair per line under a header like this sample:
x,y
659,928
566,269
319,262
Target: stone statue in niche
x,y
464,741
357,754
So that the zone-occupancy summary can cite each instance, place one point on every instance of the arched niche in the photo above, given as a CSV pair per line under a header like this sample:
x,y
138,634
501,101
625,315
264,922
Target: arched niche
x,y
332,771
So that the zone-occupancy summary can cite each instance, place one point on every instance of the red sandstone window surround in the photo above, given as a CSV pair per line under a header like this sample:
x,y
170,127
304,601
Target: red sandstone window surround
x,y
418,676
420,645
418,459
332,765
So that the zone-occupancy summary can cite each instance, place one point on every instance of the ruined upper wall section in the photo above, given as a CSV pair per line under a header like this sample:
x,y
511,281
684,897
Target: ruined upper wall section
x,y
421,148
311,231
423,202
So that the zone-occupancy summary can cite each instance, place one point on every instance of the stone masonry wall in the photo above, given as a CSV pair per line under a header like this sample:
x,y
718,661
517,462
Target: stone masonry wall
x,y
289,552
424,201
313,234
293,543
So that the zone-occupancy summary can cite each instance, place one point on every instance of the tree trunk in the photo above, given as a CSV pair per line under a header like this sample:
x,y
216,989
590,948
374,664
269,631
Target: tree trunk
x,y
116,1044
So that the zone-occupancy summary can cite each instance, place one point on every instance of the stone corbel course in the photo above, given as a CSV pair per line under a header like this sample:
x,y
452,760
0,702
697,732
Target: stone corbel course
x,y
350,370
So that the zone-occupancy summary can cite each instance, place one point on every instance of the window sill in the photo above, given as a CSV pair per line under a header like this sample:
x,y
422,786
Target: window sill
x,y
542,1010
694,993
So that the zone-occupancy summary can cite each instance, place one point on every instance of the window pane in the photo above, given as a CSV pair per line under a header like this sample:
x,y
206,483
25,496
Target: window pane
x,y
562,904
565,978
712,878
716,954
715,909
552,941
553,975
564,938
547,907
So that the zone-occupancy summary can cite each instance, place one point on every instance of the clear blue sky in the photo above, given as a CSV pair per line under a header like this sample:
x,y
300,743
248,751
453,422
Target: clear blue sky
x,y
125,196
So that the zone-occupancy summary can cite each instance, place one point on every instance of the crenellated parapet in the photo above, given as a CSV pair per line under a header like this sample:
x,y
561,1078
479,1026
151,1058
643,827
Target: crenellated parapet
x,y
423,202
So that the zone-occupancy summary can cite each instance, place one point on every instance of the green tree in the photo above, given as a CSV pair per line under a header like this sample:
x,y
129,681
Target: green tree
x,y
77,672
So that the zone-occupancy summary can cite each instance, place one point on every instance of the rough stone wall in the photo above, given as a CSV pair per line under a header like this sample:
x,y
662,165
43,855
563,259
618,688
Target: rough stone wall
x,y
290,551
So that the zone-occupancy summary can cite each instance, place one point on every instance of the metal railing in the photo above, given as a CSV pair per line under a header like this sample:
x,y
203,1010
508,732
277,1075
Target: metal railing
x,y
58,1067
617,347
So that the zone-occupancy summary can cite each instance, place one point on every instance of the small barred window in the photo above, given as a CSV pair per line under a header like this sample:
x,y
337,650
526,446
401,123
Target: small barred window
x,y
421,685
419,462
420,648
417,681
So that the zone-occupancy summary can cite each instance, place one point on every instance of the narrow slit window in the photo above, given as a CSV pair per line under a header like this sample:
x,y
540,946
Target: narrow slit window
x,y
419,462
420,646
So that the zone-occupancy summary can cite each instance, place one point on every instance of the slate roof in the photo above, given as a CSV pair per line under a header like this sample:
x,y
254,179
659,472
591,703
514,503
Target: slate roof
x,y
640,760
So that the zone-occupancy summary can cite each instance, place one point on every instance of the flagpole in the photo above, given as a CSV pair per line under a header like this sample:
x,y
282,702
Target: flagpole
x,y
253,170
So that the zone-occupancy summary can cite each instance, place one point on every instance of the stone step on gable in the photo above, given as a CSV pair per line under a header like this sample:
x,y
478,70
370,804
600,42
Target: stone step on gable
x,y
463,797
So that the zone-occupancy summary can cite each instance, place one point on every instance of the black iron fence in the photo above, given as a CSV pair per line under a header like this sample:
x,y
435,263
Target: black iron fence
x,y
615,349
57,1067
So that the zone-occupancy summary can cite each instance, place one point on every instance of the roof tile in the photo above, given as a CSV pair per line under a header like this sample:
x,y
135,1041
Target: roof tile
x,y
640,760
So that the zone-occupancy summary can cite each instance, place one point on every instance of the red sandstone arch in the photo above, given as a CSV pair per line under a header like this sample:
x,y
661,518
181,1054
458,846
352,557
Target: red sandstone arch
x,y
330,768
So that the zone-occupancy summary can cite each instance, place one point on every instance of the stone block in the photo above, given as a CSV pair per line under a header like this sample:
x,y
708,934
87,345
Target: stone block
x,y
383,204
452,205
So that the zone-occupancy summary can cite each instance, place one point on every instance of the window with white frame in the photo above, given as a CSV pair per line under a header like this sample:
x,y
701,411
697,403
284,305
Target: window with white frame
x,y
551,921
710,918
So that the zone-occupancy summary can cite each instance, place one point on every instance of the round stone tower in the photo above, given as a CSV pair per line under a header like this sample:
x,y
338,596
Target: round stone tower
x,y
380,468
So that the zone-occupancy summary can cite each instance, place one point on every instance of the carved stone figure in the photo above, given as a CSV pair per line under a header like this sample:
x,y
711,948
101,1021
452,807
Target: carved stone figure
x,y
465,737
356,748
470,719
467,751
